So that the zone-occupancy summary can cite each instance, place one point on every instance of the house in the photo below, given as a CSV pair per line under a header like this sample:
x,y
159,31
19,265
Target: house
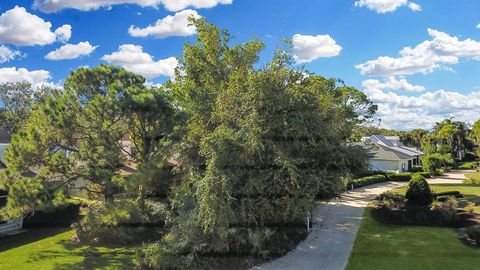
x,y
9,226
387,153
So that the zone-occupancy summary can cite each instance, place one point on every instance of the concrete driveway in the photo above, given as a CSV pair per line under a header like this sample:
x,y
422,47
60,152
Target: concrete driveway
x,y
329,244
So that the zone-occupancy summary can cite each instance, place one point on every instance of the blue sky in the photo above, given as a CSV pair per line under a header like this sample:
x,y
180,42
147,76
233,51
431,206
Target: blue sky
x,y
334,38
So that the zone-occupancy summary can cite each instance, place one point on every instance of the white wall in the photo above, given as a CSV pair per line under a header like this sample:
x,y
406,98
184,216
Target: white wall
x,y
384,165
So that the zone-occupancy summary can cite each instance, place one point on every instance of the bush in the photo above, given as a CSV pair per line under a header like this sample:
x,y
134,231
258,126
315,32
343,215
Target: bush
x,y
448,209
365,181
432,162
419,192
474,234
62,216
470,207
400,177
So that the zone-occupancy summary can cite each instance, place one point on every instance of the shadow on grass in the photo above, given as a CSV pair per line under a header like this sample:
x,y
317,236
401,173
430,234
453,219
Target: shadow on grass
x,y
29,236
92,257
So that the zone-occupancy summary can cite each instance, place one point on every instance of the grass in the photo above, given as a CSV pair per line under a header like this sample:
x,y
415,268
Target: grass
x,y
52,249
466,165
473,177
396,247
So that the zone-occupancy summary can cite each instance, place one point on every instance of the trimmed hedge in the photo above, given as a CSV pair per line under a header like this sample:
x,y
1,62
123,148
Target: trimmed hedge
x,y
400,177
405,176
365,181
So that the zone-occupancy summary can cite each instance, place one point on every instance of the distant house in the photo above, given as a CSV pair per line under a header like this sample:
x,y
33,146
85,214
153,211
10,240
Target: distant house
x,y
8,226
387,153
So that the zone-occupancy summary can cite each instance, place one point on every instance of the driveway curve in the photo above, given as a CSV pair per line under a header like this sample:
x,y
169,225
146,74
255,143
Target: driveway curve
x,y
335,226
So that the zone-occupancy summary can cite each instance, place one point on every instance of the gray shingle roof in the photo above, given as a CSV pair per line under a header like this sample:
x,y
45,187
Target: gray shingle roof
x,y
382,152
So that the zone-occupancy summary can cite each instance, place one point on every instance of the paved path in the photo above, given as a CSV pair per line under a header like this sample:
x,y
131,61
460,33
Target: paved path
x,y
329,244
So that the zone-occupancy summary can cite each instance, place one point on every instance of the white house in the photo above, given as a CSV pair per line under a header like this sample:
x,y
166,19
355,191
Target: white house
x,y
387,153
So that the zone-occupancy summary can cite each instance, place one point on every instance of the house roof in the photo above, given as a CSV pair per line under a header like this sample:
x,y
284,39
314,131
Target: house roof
x,y
382,140
382,152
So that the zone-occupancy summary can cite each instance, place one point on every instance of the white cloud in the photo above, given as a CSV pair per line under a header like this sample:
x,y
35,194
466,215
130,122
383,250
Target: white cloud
x,y
7,54
134,59
176,25
478,26
71,51
308,48
64,33
414,6
50,6
440,51
385,6
34,77
407,112
392,83
19,27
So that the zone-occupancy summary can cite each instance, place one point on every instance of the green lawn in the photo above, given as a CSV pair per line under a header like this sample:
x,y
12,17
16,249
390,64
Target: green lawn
x,y
51,248
395,247
474,176
387,246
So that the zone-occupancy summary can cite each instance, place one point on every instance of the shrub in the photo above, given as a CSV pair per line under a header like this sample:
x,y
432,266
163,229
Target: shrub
x,y
365,181
470,207
431,162
474,234
391,200
400,177
418,192
446,209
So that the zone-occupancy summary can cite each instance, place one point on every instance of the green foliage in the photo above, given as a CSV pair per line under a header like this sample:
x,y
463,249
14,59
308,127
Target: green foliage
x,y
365,181
418,192
447,209
258,146
474,234
400,177
468,165
120,222
425,174
17,101
432,162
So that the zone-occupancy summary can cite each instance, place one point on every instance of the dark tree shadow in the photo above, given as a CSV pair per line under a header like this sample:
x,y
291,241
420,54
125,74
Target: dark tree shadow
x,y
29,236
93,257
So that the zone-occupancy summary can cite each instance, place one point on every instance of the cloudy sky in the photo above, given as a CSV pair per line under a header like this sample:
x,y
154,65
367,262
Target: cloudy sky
x,y
418,60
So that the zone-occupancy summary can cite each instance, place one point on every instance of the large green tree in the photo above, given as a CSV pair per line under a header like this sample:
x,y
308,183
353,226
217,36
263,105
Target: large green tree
x,y
259,145
73,140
